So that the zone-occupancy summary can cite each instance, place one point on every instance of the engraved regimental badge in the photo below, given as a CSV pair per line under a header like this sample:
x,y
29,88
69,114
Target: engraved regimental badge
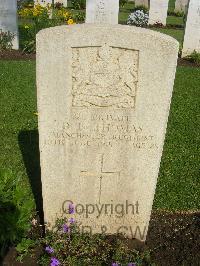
x,y
104,77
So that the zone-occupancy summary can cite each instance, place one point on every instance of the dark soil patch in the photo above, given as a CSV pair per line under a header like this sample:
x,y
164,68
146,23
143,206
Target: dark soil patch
x,y
10,259
168,26
173,239
19,55
186,62
15,55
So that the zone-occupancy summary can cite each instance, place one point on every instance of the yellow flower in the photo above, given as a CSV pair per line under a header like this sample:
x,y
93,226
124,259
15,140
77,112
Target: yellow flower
x,y
35,13
66,14
26,27
60,13
26,12
38,6
70,21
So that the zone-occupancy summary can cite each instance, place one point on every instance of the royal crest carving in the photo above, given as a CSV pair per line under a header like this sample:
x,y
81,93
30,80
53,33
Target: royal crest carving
x,y
104,77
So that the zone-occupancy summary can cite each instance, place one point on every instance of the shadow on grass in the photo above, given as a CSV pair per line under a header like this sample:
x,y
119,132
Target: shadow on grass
x,y
29,146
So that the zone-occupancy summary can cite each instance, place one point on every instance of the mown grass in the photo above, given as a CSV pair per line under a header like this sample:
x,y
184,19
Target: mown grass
x,y
171,5
178,34
178,186
173,20
18,103
178,183
125,12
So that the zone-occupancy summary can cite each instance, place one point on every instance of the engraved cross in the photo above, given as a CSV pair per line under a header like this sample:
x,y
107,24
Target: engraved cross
x,y
100,174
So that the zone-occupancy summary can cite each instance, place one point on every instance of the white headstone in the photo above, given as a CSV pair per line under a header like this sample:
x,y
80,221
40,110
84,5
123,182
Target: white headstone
x,y
8,19
102,11
102,120
181,6
192,30
158,11
65,3
142,3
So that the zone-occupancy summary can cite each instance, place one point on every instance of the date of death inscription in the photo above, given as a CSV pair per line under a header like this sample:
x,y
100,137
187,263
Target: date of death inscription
x,y
105,130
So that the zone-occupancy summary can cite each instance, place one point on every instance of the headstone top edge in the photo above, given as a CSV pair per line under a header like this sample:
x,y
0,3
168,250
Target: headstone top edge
x,y
124,28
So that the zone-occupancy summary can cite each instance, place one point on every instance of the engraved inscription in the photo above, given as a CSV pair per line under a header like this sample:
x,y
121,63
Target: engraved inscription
x,y
198,11
100,11
106,130
104,77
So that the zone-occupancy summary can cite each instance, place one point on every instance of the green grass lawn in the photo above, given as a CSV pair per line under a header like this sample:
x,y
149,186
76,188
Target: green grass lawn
x,y
175,20
18,96
18,104
178,34
125,12
171,5
178,182
178,186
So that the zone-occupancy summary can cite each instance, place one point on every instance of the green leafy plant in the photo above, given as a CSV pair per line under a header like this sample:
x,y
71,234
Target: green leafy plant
x,y
180,49
65,244
24,247
141,7
78,4
15,206
179,14
24,3
39,18
6,39
30,46
79,16
194,57
138,18
122,3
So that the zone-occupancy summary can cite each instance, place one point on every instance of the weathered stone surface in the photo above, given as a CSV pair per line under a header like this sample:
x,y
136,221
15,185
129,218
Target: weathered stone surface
x,y
8,19
102,121
158,11
102,11
181,6
142,3
192,30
